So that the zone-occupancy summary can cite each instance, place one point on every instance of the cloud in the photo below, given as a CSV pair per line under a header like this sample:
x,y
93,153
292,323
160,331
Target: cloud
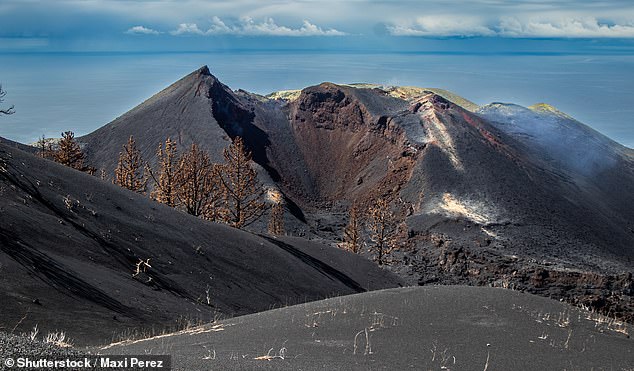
x,y
187,28
585,27
246,26
513,27
442,26
425,18
141,30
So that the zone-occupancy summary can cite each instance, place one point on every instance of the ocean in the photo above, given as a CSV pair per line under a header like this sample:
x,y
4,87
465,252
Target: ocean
x,y
55,92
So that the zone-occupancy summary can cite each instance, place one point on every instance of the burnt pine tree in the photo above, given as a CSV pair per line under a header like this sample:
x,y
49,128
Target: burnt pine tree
x,y
214,209
383,228
164,190
352,233
196,186
69,152
3,111
129,171
276,221
45,147
244,194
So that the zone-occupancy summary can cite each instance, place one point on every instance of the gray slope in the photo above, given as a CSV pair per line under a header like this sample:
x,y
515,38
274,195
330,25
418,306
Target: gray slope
x,y
69,243
595,169
451,327
182,111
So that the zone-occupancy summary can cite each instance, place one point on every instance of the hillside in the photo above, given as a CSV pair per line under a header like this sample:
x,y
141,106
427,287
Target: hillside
x,y
439,327
597,168
70,244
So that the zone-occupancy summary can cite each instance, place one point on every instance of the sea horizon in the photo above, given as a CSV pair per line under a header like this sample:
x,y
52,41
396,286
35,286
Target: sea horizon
x,y
55,91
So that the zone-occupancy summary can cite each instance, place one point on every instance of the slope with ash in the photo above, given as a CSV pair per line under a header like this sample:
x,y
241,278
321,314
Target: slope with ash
x,y
493,213
196,109
589,163
493,179
450,327
71,248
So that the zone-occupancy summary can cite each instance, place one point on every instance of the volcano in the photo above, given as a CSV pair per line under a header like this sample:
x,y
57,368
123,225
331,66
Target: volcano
x,y
492,195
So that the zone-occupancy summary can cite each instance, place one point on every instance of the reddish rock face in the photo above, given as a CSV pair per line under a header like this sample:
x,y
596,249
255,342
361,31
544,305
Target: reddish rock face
x,y
348,151
328,107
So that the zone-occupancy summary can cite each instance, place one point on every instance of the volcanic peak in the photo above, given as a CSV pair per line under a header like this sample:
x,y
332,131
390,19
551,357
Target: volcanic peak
x,y
204,70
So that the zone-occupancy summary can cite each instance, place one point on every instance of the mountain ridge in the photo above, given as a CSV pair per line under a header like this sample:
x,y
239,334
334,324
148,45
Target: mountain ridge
x,y
502,181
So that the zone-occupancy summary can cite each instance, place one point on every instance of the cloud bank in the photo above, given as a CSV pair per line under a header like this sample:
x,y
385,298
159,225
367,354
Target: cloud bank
x,y
454,25
246,26
512,27
101,19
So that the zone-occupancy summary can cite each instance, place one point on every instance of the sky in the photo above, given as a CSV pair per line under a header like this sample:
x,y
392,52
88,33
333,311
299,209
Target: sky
x,y
565,52
154,25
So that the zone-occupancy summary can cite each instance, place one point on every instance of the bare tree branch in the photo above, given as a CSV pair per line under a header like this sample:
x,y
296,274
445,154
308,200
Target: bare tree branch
x,y
8,111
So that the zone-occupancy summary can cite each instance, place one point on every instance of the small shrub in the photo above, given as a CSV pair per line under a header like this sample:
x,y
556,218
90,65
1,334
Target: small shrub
x,y
68,202
142,266
33,334
59,339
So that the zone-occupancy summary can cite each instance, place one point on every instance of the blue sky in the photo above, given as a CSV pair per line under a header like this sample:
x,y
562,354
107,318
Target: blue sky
x,y
162,25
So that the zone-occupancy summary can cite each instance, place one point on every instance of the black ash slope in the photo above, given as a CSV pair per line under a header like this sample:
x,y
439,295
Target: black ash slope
x,y
196,109
69,245
439,327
